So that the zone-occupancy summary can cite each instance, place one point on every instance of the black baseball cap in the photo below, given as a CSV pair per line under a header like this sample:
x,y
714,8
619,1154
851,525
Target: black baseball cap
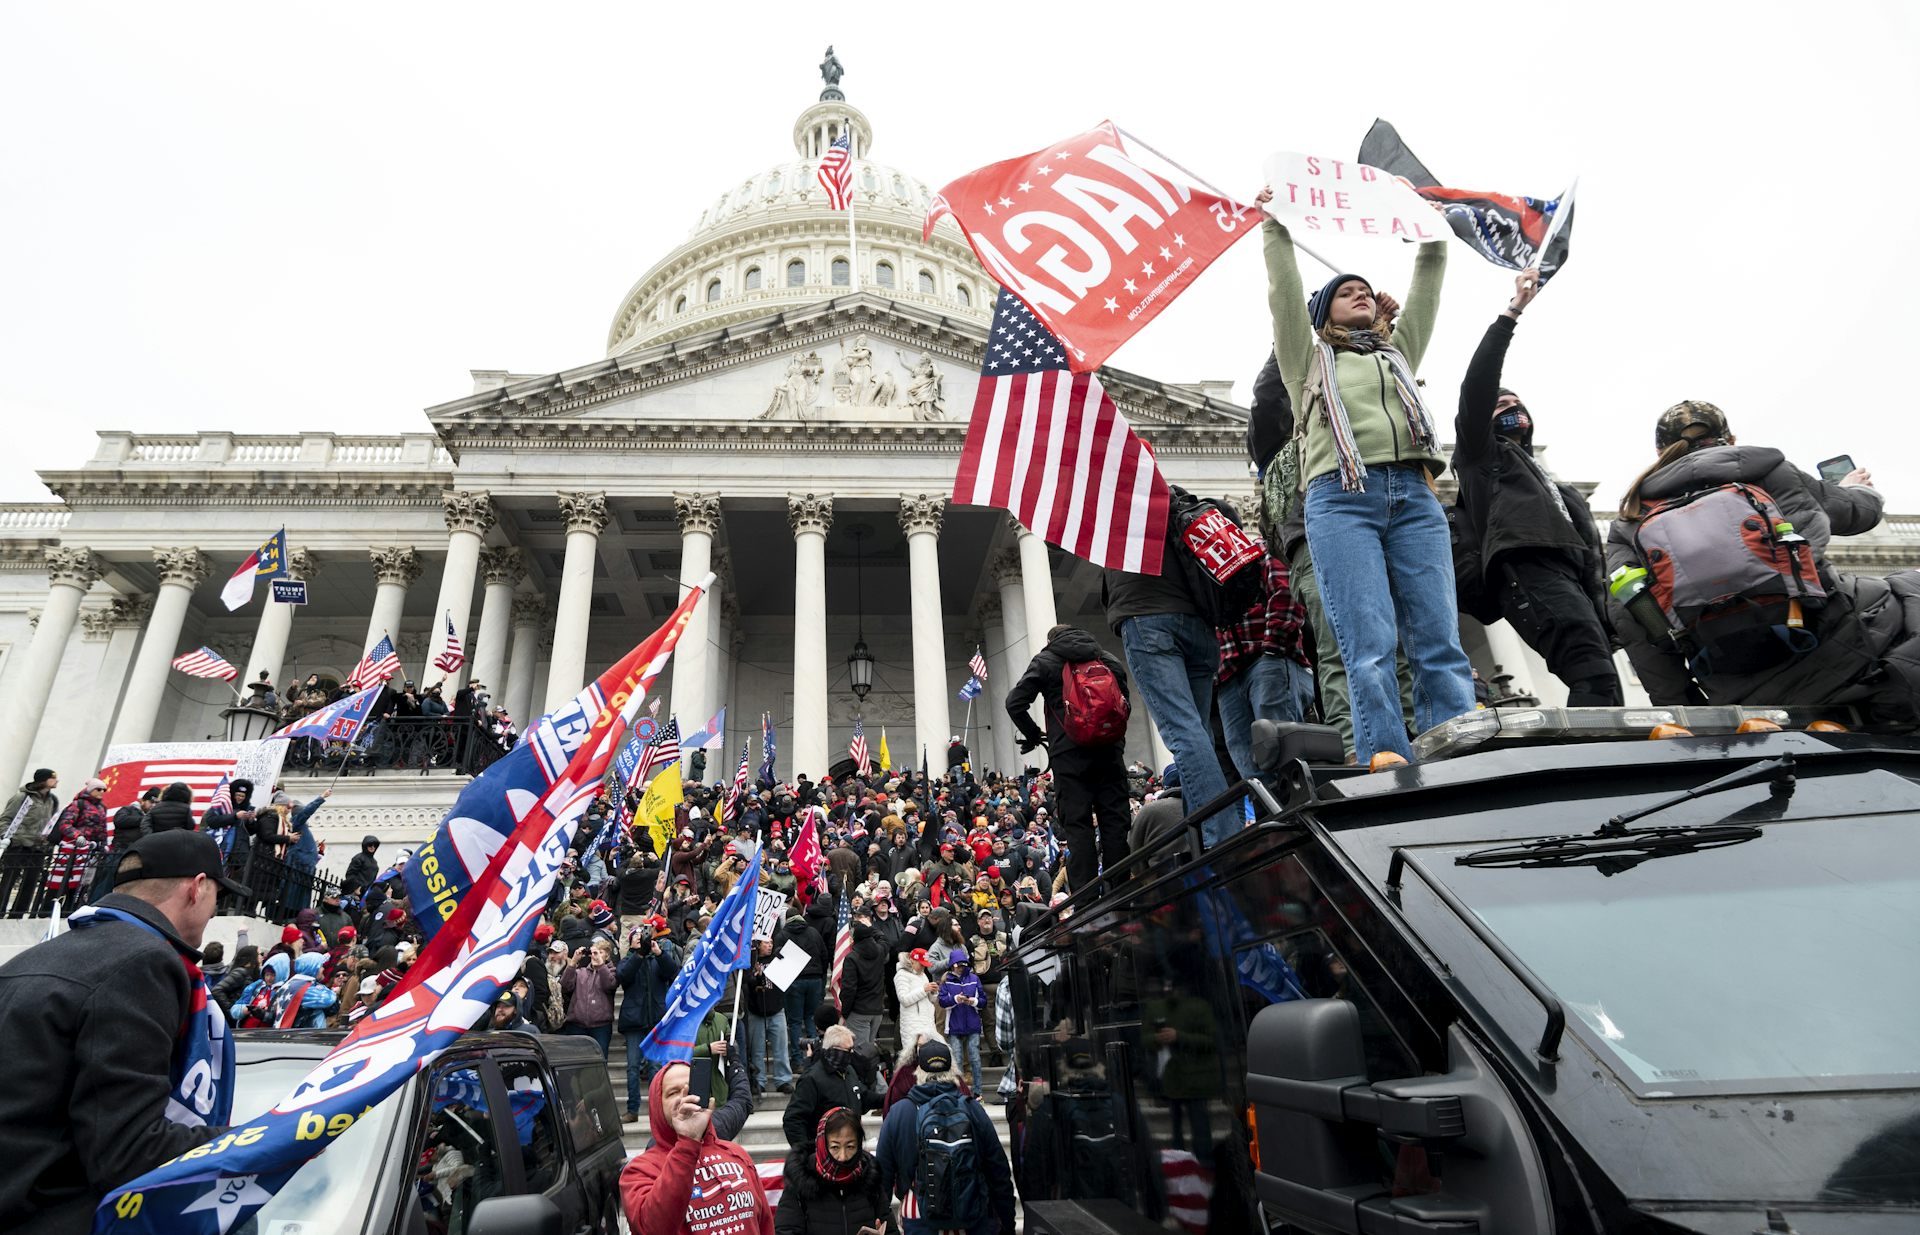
x,y
176,854
933,1057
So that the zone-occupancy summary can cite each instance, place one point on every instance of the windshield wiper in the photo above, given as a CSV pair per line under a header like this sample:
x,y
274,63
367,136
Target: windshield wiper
x,y
1615,847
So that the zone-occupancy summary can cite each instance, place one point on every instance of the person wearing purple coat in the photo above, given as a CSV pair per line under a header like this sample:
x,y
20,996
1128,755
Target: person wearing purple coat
x,y
960,994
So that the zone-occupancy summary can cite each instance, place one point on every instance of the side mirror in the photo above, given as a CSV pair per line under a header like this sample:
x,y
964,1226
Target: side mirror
x,y
515,1215
1276,744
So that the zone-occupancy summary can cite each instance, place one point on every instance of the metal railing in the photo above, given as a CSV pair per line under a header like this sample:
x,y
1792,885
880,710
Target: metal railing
x,y
418,744
276,889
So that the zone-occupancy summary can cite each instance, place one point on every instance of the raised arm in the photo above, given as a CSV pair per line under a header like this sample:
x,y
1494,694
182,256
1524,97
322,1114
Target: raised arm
x,y
1287,305
1415,328
1480,389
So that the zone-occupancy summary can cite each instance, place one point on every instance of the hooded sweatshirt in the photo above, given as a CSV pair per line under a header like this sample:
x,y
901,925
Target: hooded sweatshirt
x,y
658,1188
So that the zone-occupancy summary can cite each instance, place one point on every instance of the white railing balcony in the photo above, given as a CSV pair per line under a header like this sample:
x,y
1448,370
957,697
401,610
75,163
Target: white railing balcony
x,y
33,517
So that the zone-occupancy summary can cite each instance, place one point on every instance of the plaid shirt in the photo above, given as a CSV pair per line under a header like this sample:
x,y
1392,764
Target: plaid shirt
x,y
1271,628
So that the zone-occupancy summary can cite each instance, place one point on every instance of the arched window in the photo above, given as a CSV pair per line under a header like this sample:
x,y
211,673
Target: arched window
x,y
796,273
680,304
842,273
713,291
773,185
867,181
964,296
899,189
753,278
926,283
883,273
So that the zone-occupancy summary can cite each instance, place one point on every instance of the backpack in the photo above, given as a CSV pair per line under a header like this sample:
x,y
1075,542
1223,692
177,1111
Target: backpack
x,y
1217,561
949,1183
1727,578
1093,708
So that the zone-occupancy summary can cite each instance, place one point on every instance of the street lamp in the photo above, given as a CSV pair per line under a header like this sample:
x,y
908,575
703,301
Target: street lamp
x,y
248,724
860,664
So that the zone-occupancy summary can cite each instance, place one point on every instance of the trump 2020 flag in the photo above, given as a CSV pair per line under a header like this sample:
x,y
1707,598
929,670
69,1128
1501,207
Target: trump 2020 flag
x,y
1094,243
337,722
727,946
459,973
269,561
446,867
1509,230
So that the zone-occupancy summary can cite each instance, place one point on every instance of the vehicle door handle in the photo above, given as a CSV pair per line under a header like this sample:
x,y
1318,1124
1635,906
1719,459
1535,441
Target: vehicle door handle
x,y
1420,1117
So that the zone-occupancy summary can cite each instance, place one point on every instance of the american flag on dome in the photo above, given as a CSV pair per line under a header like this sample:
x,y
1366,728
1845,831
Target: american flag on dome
x,y
452,656
857,749
1050,446
979,665
205,663
842,945
836,174
380,663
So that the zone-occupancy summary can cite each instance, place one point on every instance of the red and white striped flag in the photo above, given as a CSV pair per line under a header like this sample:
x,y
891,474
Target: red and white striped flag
x,y
842,945
857,749
979,665
836,174
452,656
380,663
1051,447
222,800
205,663
739,786
664,749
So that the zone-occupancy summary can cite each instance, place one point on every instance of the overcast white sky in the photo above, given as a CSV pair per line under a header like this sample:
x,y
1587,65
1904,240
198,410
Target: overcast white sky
x,y
272,218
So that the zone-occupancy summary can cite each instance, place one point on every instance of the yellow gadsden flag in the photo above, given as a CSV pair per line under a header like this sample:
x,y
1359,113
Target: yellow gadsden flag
x,y
656,807
886,760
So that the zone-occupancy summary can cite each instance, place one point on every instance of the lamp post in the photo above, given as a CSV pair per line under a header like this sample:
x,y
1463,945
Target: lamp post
x,y
246,724
860,664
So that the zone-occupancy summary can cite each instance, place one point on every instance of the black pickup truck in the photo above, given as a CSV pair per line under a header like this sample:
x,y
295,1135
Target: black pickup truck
x,y
1555,977
502,1126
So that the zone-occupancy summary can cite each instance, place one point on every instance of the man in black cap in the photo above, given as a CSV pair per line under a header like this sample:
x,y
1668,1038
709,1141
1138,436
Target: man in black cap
x,y
95,1020
938,1152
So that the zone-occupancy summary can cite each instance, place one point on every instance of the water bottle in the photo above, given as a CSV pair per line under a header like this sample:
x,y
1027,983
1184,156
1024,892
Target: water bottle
x,y
1784,534
1629,586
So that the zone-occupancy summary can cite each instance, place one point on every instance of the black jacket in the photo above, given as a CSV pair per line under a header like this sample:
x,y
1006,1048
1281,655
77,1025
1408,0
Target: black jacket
x,y
1509,498
818,1091
868,970
1042,678
166,816
96,1012
1127,595
236,979
809,1205
802,932
362,869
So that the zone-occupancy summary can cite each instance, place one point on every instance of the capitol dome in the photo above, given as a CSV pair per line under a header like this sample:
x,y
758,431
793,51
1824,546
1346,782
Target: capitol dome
x,y
771,241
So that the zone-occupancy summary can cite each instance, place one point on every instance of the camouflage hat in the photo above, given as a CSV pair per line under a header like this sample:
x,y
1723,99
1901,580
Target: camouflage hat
x,y
1686,414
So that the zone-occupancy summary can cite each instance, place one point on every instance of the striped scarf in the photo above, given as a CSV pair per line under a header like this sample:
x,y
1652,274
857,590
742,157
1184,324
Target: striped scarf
x,y
1353,473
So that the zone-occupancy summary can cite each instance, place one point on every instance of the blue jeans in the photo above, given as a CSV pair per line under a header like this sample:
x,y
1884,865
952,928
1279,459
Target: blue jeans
x,y
803,997
1271,688
966,1053
1386,570
640,1069
759,1029
601,1034
1173,657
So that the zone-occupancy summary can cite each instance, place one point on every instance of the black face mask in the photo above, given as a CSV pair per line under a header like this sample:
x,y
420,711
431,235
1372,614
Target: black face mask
x,y
1516,421
836,1058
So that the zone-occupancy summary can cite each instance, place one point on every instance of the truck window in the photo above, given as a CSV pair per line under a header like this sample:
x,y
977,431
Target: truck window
x,y
587,1105
461,1163
542,1162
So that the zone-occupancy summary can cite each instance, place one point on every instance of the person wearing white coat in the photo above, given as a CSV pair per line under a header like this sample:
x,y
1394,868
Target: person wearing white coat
x,y
918,995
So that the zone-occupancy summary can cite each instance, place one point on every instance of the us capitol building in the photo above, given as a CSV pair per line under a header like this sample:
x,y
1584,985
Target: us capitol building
x,y
751,413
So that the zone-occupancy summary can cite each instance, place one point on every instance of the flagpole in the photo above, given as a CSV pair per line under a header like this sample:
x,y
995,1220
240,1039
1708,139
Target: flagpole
x,y
853,245
1210,187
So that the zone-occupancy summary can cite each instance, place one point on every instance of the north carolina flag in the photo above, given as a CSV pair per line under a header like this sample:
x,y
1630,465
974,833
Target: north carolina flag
x,y
269,560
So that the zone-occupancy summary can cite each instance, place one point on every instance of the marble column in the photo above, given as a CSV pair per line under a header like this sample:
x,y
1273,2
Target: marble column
x,y
586,516
503,568
920,516
469,517
269,653
70,572
699,515
181,570
810,517
1036,581
1019,651
721,613
529,615
1000,679
119,626
394,571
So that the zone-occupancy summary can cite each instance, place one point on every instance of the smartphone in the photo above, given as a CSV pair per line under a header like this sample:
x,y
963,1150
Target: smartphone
x,y
700,1081
1831,470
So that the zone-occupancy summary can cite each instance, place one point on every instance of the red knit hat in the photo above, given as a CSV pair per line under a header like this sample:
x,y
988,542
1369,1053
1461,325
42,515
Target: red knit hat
x,y
289,933
542,932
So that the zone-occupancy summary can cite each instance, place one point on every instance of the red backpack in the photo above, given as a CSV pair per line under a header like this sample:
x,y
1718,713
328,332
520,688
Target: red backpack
x,y
1093,708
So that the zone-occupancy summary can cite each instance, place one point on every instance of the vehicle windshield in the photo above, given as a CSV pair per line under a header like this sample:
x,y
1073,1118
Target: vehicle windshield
x,y
1785,963
332,1194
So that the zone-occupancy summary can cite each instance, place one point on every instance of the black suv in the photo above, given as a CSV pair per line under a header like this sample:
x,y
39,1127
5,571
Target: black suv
x,y
498,1115
1553,983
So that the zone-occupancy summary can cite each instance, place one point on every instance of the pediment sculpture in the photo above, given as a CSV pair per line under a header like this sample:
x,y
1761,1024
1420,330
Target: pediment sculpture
x,y
857,381
797,393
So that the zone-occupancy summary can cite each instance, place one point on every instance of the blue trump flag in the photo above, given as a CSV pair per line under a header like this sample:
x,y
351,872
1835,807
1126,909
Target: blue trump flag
x,y
337,722
727,946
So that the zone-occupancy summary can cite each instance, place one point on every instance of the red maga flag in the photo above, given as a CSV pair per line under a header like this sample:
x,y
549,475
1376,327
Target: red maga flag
x,y
1096,244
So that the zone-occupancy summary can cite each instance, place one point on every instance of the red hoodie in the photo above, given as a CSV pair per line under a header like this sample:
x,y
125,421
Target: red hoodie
x,y
685,1187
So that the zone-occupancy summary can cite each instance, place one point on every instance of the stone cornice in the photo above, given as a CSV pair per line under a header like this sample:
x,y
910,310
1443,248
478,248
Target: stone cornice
x,y
206,488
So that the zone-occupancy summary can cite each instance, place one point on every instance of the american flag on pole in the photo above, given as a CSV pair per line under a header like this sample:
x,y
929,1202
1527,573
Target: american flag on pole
x,y
739,784
858,747
380,663
979,665
452,656
205,663
222,800
842,945
1051,447
836,174
664,749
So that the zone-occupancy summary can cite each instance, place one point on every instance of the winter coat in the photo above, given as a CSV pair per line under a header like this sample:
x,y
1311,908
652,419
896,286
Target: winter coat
x,y
129,825
645,980
1042,678
962,1019
305,852
818,1090
46,804
657,1187
864,978
810,1205
899,1149
589,994
916,1005
364,866
166,816
96,1011
802,932
237,978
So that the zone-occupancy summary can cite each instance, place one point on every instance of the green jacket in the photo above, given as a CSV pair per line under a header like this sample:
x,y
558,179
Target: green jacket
x,y
712,1028
1366,382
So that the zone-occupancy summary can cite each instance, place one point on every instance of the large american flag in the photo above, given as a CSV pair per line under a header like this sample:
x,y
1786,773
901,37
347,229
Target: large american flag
x,y
1051,447
205,663
664,749
380,663
452,655
858,747
739,785
836,174
842,945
